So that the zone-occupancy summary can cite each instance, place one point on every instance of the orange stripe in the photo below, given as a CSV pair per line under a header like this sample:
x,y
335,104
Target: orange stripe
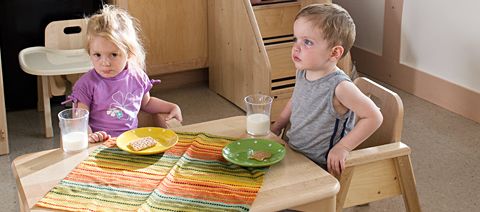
x,y
76,202
119,174
113,182
226,196
210,185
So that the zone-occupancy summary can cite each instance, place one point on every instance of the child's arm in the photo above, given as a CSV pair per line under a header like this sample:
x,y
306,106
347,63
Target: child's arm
x,y
283,119
369,119
94,137
155,105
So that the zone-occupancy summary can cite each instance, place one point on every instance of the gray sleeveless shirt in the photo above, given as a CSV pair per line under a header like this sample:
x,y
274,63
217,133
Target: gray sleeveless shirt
x,y
315,125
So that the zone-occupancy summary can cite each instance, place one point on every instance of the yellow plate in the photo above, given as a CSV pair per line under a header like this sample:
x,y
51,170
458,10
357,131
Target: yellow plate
x,y
165,139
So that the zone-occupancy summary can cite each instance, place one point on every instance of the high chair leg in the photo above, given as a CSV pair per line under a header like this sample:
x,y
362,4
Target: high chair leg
x,y
46,108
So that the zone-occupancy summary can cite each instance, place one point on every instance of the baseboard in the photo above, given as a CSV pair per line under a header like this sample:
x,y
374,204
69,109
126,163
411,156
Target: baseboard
x,y
181,79
445,94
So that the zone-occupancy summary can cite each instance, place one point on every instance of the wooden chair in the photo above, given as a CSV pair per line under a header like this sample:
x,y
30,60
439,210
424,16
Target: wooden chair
x,y
63,54
380,167
64,35
64,46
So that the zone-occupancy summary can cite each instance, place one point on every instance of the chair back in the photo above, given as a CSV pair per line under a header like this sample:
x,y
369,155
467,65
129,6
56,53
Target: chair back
x,y
391,107
66,34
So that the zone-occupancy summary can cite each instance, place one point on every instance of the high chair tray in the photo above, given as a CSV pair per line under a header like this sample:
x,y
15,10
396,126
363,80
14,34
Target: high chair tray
x,y
49,62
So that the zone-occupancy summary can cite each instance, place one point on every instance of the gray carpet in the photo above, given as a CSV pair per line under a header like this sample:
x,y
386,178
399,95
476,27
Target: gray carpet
x,y
444,146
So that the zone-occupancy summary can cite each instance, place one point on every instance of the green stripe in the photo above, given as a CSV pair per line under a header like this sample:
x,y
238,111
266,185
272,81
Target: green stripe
x,y
190,167
204,135
167,164
103,188
228,166
61,192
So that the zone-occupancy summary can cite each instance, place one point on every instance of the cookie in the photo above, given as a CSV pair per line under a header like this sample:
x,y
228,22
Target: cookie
x,y
142,143
259,155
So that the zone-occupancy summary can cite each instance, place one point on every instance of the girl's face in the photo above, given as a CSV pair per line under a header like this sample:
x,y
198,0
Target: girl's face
x,y
310,51
108,60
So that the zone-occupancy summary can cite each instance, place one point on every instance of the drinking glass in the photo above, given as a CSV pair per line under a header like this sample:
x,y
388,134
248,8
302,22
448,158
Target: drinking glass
x,y
258,114
73,129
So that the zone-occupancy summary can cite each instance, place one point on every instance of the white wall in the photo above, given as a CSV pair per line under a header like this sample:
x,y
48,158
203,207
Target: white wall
x,y
441,38
368,18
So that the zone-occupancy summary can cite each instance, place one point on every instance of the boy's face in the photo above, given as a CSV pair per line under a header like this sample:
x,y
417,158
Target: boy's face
x,y
108,60
310,51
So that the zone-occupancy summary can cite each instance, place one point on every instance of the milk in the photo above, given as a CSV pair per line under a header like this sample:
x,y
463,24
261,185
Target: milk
x,y
258,124
74,141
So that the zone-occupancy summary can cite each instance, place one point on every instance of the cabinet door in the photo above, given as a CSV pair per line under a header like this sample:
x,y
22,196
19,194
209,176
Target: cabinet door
x,y
276,19
175,33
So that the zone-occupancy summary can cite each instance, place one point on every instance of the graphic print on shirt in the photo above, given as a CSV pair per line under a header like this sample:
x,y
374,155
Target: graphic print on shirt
x,y
121,105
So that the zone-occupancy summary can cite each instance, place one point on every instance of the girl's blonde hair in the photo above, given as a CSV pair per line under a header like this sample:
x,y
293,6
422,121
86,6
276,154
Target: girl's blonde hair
x,y
119,27
336,24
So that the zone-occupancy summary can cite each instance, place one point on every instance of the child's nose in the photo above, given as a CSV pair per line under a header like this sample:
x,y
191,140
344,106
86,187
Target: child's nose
x,y
105,62
295,47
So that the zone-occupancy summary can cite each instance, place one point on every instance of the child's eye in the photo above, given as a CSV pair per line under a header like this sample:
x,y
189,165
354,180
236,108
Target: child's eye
x,y
96,55
114,54
295,39
308,42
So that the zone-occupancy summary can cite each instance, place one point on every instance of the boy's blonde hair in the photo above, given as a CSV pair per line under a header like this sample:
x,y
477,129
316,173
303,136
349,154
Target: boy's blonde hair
x,y
336,24
119,27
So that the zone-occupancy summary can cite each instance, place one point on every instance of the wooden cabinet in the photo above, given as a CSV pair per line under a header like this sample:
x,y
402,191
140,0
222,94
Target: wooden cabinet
x,y
246,48
3,117
175,33
250,48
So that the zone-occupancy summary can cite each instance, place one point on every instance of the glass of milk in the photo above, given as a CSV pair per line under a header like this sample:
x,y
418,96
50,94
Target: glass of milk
x,y
258,114
73,129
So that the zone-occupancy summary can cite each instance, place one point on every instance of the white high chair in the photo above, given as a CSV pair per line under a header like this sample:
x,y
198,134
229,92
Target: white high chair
x,y
63,54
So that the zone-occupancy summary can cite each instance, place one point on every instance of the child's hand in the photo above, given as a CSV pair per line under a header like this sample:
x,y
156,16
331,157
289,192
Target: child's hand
x,y
175,113
98,137
276,129
336,159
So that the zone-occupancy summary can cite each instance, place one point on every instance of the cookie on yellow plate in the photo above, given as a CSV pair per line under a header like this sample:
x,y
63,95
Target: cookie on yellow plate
x,y
142,143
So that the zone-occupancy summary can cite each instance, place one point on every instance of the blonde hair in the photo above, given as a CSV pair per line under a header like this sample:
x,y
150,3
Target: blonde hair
x,y
119,27
336,24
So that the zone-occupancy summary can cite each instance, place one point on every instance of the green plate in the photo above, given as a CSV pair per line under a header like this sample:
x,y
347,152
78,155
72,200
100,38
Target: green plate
x,y
237,152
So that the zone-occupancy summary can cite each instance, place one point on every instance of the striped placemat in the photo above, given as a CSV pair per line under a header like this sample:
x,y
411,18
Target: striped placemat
x,y
191,176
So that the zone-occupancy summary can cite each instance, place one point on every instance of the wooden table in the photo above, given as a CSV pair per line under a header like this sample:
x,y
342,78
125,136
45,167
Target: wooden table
x,y
295,182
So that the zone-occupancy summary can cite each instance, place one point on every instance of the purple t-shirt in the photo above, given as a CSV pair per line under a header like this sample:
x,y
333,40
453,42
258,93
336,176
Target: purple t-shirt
x,y
114,102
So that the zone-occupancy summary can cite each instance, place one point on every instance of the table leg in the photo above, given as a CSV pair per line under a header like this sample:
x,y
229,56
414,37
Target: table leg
x,y
21,205
46,108
327,204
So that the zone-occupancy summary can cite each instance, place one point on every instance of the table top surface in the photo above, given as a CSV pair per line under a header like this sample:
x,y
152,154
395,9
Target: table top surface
x,y
292,182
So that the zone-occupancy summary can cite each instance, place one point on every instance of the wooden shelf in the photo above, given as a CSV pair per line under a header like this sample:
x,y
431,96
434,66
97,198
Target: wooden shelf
x,y
269,2
250,48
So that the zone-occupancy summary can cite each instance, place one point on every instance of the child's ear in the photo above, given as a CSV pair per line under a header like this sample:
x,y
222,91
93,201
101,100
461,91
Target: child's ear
x,y
337,52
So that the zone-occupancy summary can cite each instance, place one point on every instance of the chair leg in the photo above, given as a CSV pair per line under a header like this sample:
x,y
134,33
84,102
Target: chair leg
x,y
345,179
39,94
46,108
407,183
